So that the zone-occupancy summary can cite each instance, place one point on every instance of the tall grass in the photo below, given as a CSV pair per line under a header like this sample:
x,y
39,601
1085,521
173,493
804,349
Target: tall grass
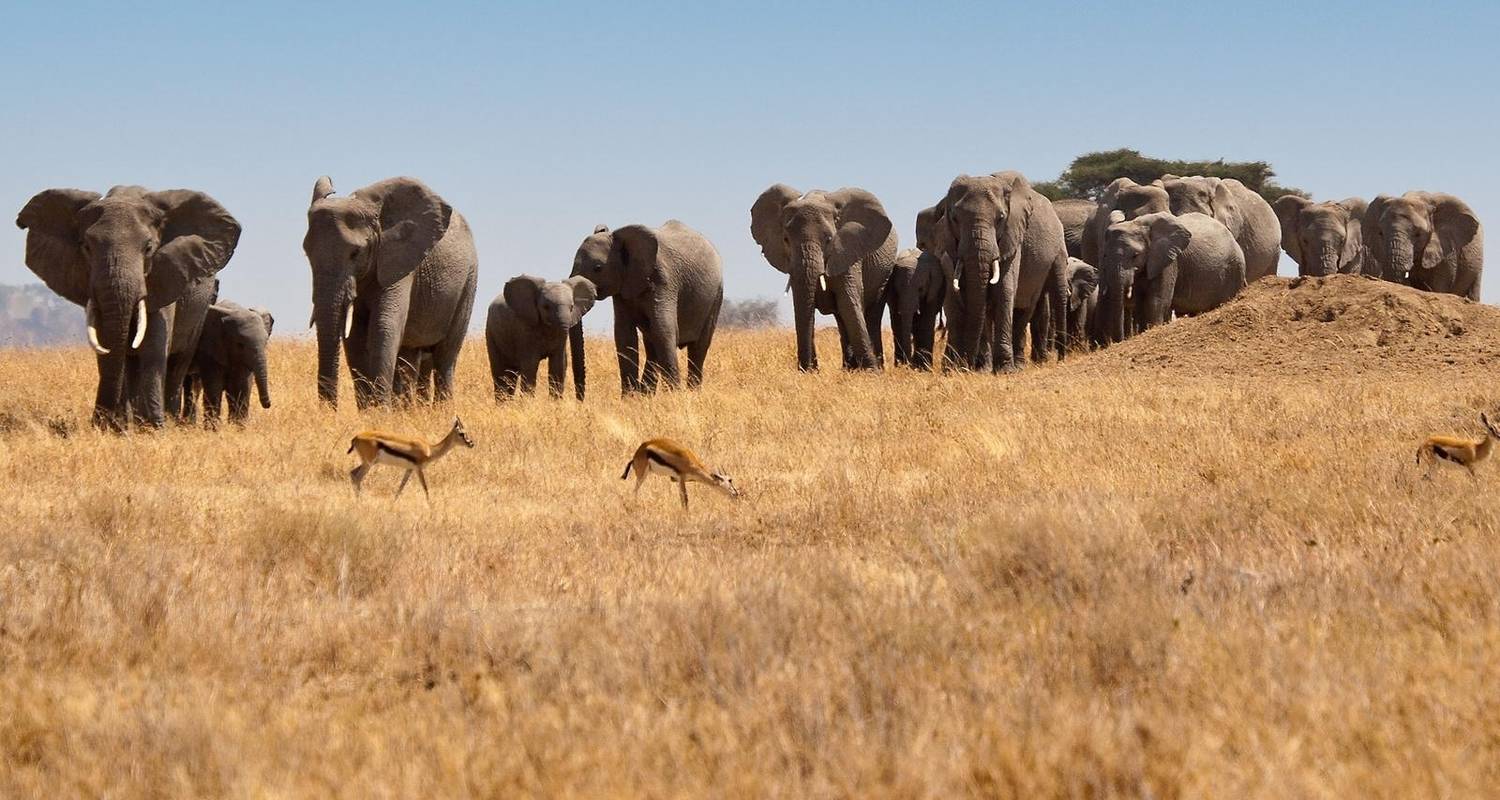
x,y
1062,583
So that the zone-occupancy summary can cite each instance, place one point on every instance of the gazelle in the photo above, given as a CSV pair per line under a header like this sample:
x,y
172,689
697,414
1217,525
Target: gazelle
x,y
1461,450
410,454
666,457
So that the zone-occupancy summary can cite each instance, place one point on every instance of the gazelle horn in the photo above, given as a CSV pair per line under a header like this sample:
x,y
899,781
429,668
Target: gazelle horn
x,y
89,316
140,330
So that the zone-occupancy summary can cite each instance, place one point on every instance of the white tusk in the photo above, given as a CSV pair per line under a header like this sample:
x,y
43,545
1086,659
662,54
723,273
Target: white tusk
x,y
88,317
348,319
955,283
312,317
823,283
140,331
995,268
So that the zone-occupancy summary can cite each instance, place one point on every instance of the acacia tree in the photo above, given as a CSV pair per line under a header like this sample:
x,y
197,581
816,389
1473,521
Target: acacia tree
x,y
1089,173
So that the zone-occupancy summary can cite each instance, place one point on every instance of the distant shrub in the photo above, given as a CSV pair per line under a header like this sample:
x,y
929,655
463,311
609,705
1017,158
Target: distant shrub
x,y
754,312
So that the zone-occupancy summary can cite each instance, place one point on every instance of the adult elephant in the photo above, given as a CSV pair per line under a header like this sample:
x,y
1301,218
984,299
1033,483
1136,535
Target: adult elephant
x,y
668,285
1246,214
918,287
394,270
1432,241
1130,199
1168,263
130,258
1074,215
1006,244
1323,238
839,249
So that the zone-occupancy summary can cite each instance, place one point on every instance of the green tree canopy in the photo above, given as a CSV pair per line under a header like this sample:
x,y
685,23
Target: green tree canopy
x,y
1089,173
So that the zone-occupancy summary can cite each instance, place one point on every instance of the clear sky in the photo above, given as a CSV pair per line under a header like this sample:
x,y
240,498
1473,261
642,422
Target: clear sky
x,y
538,121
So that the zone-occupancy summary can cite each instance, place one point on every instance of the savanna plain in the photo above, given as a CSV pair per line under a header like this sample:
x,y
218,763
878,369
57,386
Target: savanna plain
x,y
1198,564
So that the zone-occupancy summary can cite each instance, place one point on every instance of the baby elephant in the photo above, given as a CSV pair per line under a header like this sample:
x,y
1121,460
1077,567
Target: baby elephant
x,y
231,350
533,319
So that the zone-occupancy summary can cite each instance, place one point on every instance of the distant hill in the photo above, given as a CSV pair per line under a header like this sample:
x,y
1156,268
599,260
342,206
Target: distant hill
x,y
33,316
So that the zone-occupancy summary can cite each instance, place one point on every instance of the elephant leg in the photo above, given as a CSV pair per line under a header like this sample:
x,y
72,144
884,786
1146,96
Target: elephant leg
x,y
661,343
150,370
846,350
627,350
444,356
874,314
191,391
404,378
1041,331
1019,328
175,383
238,389
528,377
213,396
387,326
697,351
1157,300
1056,297
426,369
506,380
357,356
924,331
1003,301
849,296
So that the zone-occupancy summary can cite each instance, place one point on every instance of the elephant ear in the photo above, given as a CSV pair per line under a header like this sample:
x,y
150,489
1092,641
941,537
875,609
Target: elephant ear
x,y
266,319
1288,208
1082,279
930,277
862,226
765,224
54,241
521,293
634,252
412,221
585,294
1453,227
1226,206
322,188
1353,255
198,238
211,340
941,240
1168,239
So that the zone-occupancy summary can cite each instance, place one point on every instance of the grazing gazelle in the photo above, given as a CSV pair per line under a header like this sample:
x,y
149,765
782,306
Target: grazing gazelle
x,y
1461,450
410,454
666,457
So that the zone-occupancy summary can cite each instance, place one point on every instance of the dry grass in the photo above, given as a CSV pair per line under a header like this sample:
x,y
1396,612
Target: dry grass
x,y
1073,582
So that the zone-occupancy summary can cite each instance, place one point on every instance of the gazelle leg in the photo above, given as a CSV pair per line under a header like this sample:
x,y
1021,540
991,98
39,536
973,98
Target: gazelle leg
x,y
422,477
640,479
404,479
357,476
682,484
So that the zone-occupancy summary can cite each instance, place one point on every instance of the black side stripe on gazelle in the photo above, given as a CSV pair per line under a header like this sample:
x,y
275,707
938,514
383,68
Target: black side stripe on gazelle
x,y
384,448
652,454
1444,454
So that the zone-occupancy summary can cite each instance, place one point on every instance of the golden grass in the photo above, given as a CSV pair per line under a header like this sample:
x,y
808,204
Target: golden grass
x,y
1064,583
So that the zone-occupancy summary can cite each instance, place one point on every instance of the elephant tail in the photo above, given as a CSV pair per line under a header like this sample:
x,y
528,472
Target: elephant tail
x,y
628,465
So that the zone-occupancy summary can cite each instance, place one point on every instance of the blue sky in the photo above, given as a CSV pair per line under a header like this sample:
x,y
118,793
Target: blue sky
x,y
538,121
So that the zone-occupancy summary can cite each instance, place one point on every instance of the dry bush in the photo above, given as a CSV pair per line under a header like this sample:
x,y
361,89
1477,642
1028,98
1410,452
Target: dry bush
x,y
1077,581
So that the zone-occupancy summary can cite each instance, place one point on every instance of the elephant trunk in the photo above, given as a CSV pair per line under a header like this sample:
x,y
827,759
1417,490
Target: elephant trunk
x,y
262,380
1113,321
580,372
1400,257
117,321
808,270
979,268
1327,262
332,307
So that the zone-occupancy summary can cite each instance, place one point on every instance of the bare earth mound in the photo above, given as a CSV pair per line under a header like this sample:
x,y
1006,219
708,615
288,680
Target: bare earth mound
x,y
1340,324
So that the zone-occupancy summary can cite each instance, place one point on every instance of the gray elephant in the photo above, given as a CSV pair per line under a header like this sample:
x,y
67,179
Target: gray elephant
x,y
1245,213
1129,198
1167,263
138,261
1323,238
838,249
1074,215
533,319
1006,244
231,352
1432,241
1083,302
394,271
919,288
668,285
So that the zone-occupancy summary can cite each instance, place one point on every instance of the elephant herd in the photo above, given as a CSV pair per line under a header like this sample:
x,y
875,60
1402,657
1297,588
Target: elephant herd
x,y
394,272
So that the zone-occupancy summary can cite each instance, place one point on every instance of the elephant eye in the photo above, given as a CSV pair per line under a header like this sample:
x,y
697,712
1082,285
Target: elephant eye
x,y
354,254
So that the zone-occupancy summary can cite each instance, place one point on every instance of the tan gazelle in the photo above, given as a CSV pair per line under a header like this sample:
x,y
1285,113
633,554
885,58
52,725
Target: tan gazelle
x,y
666,457
1461,450
406,452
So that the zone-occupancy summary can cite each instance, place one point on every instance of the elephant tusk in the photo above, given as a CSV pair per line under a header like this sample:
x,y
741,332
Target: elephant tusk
x,y
823,282
312,317
140,331
348,319
995,269
788,286
955,283
88,316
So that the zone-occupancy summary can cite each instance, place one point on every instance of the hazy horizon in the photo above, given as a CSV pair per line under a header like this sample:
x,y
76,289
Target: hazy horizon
x,y
539,122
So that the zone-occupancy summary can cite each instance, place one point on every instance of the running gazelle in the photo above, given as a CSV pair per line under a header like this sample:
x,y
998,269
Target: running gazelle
x,y
1461,450
408,453
666,457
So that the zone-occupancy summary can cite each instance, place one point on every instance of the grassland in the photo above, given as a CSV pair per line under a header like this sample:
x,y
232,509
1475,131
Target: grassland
x,y
1087,580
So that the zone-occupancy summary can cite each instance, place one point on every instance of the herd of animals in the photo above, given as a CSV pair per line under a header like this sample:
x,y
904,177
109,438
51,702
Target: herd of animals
x,y
394,271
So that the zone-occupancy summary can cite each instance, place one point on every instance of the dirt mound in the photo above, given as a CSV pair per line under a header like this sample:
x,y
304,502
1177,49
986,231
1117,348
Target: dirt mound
x,y
1340,324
